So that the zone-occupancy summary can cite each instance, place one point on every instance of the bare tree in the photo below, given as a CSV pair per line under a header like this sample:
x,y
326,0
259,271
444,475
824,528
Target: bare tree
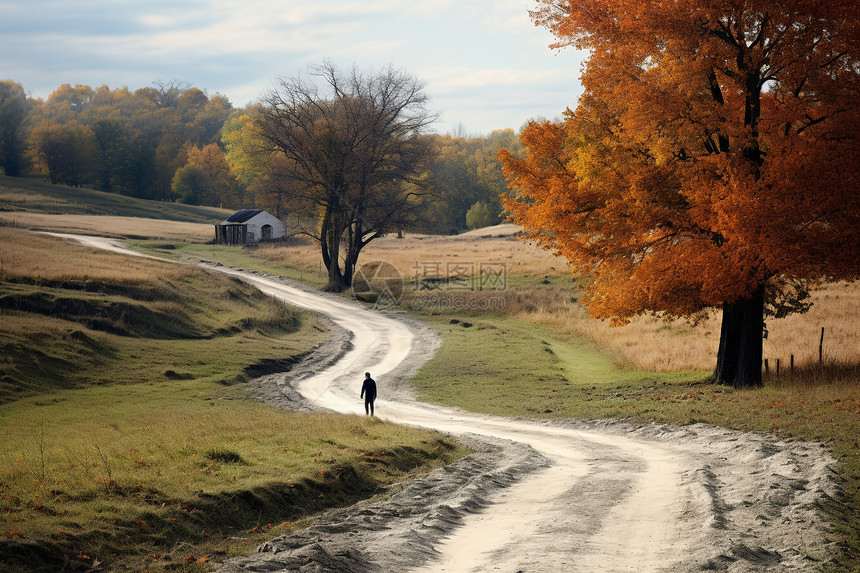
x,y
353,155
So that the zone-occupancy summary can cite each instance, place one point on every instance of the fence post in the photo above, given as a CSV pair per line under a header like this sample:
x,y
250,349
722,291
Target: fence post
x,y
777,367
766,367
792,363
821,347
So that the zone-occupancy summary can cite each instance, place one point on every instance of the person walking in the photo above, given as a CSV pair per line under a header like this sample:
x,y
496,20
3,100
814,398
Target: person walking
x,y
368,392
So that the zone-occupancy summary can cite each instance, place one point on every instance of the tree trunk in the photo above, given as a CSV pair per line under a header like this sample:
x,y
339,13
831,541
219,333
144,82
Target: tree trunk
x,y
740,352
356,243
331,256
330,247
730,335
335,280
749,358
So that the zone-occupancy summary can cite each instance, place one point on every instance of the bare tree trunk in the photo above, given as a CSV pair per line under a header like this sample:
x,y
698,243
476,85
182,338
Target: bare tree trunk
x,y
330,247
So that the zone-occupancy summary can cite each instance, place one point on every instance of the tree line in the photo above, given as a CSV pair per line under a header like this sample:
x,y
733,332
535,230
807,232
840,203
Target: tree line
x,y
174,142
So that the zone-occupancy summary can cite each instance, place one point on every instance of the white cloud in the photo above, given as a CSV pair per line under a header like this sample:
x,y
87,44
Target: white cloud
x,y
483,61
456,79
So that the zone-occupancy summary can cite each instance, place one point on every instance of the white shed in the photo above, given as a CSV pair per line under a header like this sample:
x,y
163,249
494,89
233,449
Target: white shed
x,y
249,226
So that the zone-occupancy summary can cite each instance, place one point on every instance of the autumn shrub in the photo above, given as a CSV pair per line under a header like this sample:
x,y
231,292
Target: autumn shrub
x,y
481,215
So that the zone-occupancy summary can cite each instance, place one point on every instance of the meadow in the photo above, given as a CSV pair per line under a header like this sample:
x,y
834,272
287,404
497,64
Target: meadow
x,y
522,345
20,195
131,442
537,288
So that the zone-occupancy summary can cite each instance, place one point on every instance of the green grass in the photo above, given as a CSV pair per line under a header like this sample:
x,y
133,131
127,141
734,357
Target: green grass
x,y
35,196
499,365
128,438
203,326
167,474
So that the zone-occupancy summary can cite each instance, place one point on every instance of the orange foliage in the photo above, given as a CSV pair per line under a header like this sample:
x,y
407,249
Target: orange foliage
x,y
712,156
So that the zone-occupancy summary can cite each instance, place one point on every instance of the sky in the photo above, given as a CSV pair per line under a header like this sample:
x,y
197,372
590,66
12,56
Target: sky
x,y
484,64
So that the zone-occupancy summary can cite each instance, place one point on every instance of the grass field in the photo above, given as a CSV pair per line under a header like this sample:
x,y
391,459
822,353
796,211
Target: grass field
x,y
130,442
558,362
110,226
264,258
35,205
71,315
527,348
167,476
34,196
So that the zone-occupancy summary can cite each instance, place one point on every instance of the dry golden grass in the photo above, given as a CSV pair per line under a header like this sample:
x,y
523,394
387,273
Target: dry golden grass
x,y
111,226
303,255
411,254
14,195
837,310
416,253
647,342
656,344
33,256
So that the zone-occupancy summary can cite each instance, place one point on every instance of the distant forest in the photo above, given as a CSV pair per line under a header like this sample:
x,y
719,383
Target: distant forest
x,y
174,142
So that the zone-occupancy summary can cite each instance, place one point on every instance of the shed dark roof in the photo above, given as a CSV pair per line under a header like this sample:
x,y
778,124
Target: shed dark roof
x,y
243,215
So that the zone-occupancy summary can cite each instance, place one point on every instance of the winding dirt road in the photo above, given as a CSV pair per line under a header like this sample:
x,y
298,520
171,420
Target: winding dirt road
x,y
641,520
609,499
540,496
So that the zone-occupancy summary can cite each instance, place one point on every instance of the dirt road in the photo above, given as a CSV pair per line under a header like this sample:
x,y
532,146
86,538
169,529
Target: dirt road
x,y
586,497
539,496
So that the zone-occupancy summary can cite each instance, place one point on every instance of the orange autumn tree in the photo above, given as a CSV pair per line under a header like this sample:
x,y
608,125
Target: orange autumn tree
x,y
712,161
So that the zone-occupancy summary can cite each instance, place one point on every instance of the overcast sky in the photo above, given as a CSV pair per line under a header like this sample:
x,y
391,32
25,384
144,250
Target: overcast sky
x,y
484,64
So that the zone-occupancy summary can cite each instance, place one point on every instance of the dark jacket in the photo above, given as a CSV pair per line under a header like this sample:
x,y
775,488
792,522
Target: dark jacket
x,y
369,387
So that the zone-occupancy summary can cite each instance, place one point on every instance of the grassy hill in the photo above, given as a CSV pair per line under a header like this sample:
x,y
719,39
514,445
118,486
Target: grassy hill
x,y
75,316
130,442
34,196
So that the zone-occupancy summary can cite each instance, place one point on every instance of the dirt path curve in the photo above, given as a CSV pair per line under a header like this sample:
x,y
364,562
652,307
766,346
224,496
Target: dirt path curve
x,y
635,489
604,499
540,496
